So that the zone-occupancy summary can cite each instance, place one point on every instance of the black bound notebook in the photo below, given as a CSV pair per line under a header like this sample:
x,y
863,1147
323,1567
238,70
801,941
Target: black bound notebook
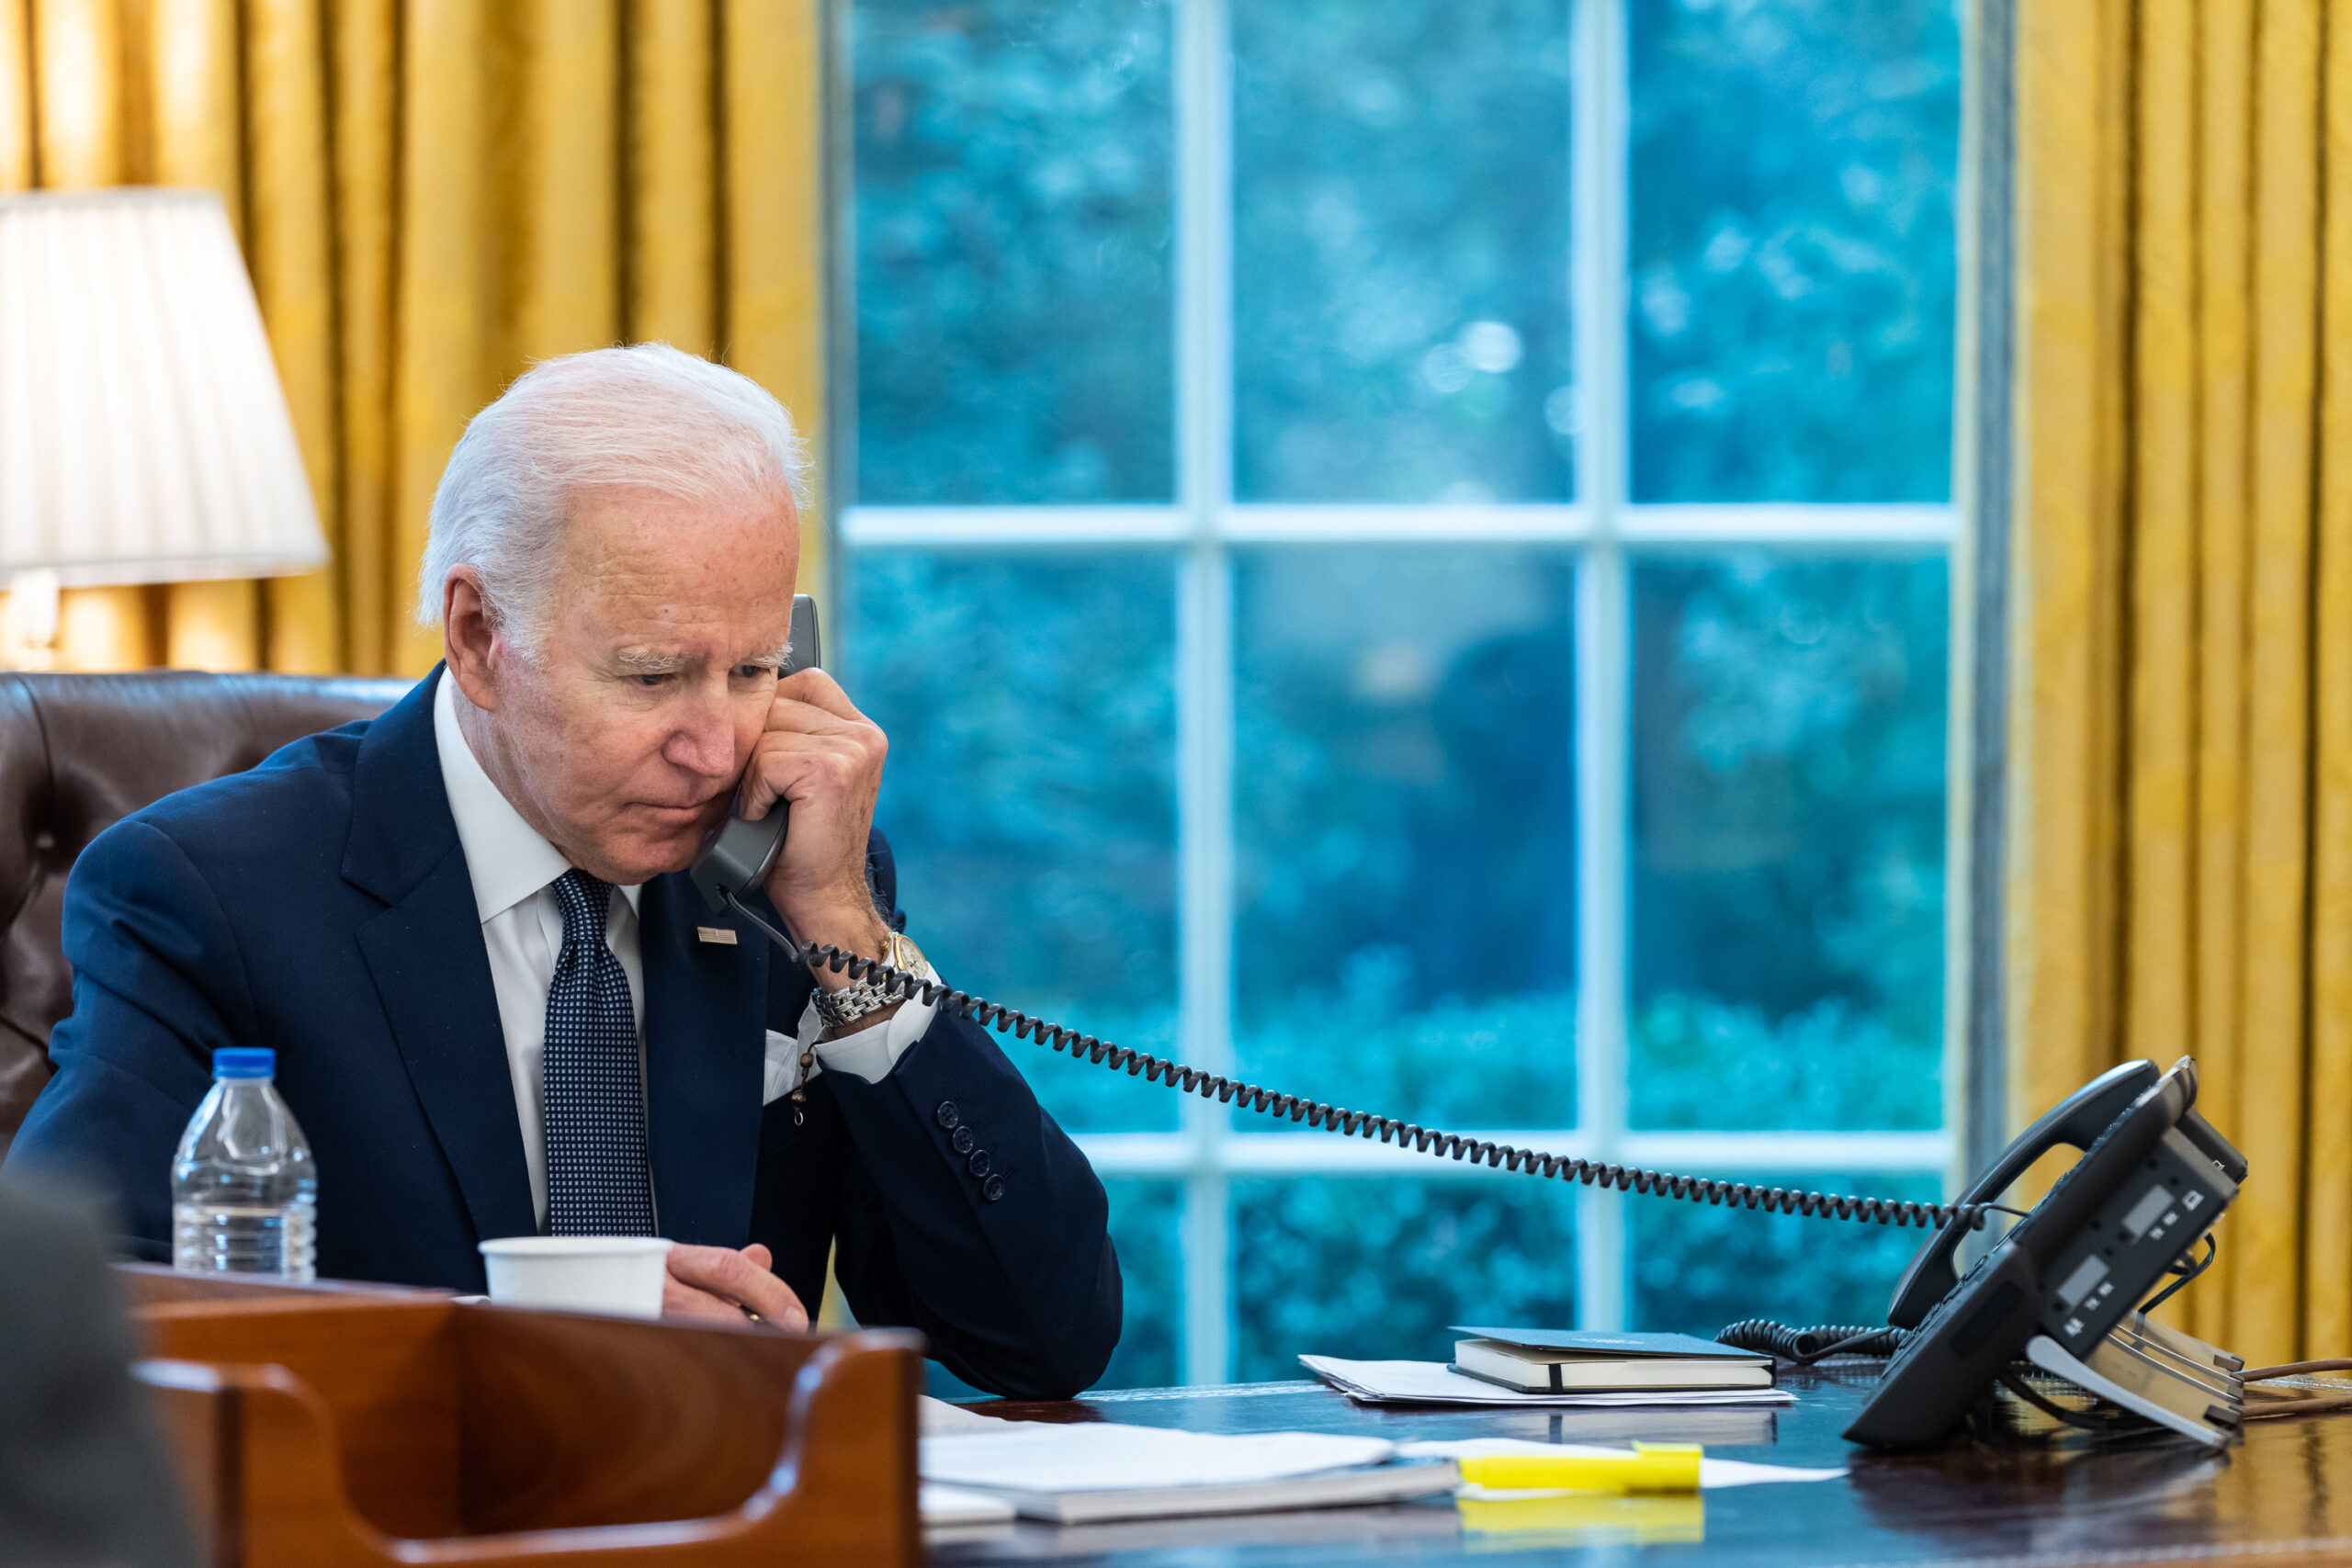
x,y
1556,1360
1609,1342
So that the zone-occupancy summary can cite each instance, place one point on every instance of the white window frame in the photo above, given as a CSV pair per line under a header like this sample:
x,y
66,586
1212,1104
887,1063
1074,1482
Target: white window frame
x,y
1208,1149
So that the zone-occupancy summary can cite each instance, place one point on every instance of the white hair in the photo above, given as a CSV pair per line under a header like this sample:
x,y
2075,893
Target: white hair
x,y
648,417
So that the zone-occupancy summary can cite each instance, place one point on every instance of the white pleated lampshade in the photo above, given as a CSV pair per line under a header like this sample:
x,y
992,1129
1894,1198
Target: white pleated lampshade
x,y
143,433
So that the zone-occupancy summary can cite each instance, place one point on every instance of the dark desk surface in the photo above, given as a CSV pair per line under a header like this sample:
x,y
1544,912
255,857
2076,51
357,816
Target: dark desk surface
x,y
2030,1498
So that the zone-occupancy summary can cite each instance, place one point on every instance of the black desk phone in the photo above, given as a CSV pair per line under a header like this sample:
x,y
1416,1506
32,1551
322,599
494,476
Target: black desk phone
x,y
2067,1289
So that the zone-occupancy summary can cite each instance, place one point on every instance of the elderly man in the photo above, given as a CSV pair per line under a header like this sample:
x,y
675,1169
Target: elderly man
x,y
498,1005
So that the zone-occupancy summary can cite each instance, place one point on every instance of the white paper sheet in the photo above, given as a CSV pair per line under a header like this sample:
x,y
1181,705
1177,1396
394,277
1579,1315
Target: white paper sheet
x,y
1432,1382
1101,1456
950,1506
937,1418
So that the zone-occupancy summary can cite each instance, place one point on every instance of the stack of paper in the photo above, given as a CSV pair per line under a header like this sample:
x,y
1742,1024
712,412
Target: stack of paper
x,y
1433,1383
1093,1470
951,1508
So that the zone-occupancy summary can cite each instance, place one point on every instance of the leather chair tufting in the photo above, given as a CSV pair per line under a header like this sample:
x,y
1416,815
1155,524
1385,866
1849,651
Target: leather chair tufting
x,y
79,754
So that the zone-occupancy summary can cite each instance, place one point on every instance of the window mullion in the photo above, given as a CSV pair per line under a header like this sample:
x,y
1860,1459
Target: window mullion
x,y
1204,339
1602,641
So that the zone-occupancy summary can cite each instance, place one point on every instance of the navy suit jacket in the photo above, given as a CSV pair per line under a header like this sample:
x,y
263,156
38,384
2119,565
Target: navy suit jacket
x,y
321,905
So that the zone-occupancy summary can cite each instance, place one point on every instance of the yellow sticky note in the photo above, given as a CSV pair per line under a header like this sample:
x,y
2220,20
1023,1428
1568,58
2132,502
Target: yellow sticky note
x,y
1651,1467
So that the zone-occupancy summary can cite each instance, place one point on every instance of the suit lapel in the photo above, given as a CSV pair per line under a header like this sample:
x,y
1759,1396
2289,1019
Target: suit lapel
x,y
431,969
705,1020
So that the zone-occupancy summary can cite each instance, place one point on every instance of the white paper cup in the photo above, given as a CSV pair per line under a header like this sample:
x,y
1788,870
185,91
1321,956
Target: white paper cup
x,y
617,1274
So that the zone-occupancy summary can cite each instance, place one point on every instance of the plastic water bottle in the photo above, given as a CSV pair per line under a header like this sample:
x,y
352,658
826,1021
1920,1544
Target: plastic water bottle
x,y
244,1197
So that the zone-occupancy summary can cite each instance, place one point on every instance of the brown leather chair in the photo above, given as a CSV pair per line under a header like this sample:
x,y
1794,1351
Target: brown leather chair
x,y
80,752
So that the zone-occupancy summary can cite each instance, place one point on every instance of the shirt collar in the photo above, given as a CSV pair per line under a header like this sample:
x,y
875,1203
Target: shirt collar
x,y
505,854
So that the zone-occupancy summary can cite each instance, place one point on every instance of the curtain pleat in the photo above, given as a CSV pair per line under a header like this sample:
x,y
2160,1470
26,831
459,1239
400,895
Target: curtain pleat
x,y
2327,1210
290,239
2225,345
15,95
444,355
568,290
2068,405
432,195
2180,872
673,200
182,122
2161,769
2271,1038
363,41
772,53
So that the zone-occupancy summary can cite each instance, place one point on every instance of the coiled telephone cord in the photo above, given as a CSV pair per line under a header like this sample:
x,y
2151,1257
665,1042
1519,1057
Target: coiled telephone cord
x,y
1358,1123
1806,1346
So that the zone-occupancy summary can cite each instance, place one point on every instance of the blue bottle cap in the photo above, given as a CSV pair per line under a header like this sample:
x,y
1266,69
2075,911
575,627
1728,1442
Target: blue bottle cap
x,y
244,1062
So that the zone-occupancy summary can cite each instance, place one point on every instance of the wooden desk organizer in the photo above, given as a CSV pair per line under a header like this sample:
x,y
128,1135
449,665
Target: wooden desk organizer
x,y
332,1426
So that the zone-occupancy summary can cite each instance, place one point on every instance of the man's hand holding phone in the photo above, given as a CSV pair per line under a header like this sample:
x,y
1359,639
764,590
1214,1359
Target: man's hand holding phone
x,y
823,758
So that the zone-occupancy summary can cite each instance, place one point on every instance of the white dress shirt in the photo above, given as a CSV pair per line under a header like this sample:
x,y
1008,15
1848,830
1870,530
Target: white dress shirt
x,y
522,927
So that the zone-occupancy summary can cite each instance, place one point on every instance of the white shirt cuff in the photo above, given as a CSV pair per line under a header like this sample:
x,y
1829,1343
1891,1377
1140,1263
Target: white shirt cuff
x,y
869,1053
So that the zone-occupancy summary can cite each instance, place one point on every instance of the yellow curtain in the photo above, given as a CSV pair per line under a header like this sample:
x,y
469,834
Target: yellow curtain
x,y
2180,875
432,194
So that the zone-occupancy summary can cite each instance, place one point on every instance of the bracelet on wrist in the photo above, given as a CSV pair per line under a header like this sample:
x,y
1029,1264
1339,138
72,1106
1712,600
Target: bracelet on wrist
x,y
839,1008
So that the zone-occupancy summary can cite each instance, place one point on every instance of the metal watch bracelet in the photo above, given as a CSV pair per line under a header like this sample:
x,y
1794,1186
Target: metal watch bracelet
x,y
852,1002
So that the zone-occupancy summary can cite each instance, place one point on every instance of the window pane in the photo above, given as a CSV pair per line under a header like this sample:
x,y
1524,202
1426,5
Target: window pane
x,y
1376,1268
1400,250
1030,794
1145,1227
1013,244
1788,844
1792,249
1697,1269
1406,833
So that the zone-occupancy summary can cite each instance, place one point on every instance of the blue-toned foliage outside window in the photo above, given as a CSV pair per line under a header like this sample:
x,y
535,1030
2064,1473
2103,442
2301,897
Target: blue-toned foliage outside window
x,y
1792,264
1396,167
1405,828
1299,763
1391,1264
1029,794
1788,843
1014,251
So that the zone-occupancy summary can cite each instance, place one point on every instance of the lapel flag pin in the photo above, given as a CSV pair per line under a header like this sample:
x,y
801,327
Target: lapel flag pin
x,y
719,935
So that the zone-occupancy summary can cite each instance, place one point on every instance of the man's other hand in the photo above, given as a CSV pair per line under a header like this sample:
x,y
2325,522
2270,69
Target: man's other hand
x,y
718,1283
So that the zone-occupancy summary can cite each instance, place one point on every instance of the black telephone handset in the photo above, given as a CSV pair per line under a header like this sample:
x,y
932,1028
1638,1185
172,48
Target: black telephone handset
x,y
2063,1288
2075,1123
735,856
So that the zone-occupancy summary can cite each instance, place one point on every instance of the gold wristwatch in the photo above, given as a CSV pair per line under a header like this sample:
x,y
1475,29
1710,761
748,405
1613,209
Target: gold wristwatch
x,y
847,1006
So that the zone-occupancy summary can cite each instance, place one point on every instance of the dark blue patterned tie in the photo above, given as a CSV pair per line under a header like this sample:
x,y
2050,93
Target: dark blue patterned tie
x,y
597,1183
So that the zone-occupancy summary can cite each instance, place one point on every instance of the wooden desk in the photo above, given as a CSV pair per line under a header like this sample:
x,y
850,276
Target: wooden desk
x,y
2284,1496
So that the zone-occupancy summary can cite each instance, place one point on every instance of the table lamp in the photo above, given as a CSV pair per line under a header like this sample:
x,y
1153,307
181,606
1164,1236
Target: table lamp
x,y
143,433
